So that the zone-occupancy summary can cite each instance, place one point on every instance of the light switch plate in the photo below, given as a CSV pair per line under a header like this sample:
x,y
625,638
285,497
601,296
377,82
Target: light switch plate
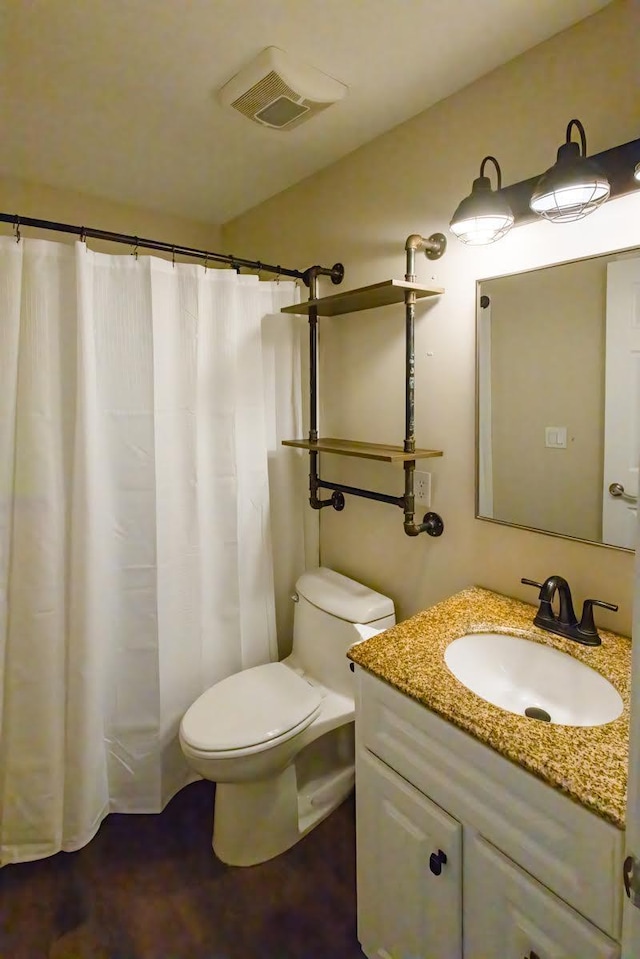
x,y
555,437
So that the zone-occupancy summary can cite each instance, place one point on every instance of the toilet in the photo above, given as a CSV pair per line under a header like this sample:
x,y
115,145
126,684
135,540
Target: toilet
x,y
278,739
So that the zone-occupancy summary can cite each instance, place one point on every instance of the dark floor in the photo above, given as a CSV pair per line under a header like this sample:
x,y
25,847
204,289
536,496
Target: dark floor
x,y
150,887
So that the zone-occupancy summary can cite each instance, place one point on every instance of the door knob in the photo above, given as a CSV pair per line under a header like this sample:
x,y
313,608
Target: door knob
x,y
436,862
617,490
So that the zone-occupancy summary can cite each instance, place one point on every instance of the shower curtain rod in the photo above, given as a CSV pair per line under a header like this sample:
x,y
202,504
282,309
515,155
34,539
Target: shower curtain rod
x,y
336,272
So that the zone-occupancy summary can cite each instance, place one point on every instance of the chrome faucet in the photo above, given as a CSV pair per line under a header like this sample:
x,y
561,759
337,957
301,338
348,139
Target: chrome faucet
x,y
564,623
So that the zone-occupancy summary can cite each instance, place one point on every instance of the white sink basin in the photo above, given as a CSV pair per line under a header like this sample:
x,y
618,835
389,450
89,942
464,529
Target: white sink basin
x,y
531,679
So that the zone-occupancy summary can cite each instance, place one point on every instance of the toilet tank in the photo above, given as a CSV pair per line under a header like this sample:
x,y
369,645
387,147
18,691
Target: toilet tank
x,y
327,606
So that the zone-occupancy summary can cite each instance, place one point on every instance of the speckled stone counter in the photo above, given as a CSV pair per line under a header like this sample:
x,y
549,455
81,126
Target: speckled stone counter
x,y
588,763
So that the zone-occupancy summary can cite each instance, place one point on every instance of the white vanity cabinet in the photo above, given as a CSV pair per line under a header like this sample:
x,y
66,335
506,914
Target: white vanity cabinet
x,y
462,854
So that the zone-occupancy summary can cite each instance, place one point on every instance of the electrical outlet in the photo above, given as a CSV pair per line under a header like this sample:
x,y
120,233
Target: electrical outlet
x,y
422,487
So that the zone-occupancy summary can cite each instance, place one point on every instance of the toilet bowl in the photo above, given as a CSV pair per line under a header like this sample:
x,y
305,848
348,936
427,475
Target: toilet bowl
x,y
278,739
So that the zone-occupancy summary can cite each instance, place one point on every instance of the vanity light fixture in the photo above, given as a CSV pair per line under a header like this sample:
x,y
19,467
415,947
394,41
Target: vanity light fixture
x,y
572,188
484,216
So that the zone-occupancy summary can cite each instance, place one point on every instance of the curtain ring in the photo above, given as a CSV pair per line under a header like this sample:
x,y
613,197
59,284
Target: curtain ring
x,y
206,262
173,256
134,252
278,274
16,229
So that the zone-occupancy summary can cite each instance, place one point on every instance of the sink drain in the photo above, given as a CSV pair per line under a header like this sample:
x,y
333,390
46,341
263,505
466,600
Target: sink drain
x,y
534,712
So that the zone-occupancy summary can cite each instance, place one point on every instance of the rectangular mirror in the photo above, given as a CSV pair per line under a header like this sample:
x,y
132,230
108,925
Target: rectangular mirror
x,y
558,399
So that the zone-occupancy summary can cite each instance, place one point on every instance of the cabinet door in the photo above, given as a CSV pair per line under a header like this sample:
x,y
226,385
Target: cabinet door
x,y
409,904
509,915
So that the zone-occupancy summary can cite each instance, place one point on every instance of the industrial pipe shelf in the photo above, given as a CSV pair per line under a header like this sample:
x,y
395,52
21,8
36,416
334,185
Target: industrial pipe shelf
x,y
369,451
364,298
386,293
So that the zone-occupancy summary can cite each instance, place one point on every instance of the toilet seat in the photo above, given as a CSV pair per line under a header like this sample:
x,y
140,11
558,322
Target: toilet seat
x,y
249,711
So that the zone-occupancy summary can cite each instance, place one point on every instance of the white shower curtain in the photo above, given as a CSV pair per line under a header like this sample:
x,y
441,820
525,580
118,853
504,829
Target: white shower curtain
x,y
138,418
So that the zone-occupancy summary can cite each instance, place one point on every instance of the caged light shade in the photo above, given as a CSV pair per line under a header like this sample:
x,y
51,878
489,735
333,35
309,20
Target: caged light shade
x,y
484,216
574,186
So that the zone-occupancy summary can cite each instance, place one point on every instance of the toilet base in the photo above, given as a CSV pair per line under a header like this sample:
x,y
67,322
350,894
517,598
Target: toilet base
x,y
256,821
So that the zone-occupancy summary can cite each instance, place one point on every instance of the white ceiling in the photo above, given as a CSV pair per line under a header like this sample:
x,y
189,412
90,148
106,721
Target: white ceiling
x,y
116,98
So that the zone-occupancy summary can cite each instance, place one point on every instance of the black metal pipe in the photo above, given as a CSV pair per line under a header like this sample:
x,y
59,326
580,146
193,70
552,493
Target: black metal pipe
x,y
311,279
408,500
410,373
314,485
409,496
137,242
364,493
313,374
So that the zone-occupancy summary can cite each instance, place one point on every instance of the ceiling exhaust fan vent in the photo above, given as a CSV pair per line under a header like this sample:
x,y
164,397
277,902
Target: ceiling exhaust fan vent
x,y
279,92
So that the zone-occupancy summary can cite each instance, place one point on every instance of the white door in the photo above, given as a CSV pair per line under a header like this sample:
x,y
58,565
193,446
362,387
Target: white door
x,y
631,914
409,907
622,403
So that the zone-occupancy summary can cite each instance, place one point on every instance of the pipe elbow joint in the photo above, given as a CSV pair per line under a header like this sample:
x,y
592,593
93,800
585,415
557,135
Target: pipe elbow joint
x,y
414,242
412,530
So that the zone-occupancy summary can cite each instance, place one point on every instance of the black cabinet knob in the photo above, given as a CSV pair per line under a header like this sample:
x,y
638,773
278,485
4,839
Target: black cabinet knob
x,y
436,862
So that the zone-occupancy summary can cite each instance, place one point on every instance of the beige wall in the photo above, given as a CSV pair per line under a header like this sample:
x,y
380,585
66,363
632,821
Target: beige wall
x,y
79,209
547,369
360,211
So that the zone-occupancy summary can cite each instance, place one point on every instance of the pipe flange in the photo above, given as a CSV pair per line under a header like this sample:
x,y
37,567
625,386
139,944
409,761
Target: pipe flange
x,y
437,245
337,501
433,524
337,273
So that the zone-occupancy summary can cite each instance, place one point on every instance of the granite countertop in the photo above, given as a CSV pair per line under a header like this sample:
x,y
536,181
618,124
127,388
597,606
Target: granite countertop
x,y
587,763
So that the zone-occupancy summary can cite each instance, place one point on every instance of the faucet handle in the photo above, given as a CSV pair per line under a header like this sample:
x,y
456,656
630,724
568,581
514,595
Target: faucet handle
x,y
531,582
587,625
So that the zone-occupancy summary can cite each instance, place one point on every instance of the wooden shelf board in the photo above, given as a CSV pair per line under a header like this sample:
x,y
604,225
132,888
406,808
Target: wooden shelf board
x,y
371,451
364,298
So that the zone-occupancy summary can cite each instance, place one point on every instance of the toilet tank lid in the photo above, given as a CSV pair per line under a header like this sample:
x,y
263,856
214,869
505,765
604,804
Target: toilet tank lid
x,y
343,597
